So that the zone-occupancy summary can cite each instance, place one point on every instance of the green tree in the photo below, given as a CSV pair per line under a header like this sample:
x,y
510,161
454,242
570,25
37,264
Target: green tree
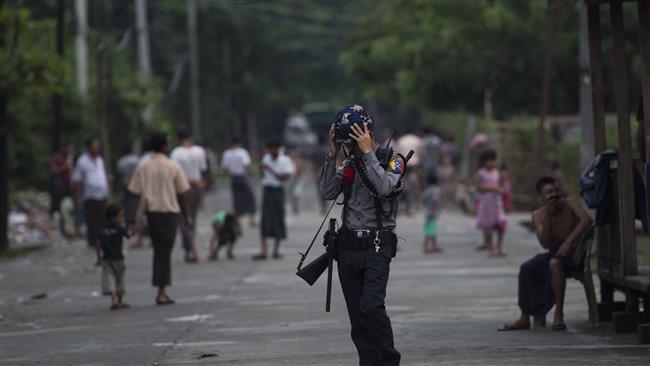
x,y
26,70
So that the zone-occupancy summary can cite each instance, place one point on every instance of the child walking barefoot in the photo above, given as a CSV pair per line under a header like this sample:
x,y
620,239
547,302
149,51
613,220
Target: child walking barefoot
x,y
111,256
490,214
432,203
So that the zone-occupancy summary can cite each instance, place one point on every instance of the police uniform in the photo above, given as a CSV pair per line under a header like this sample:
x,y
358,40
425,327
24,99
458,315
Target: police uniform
x,y
366,243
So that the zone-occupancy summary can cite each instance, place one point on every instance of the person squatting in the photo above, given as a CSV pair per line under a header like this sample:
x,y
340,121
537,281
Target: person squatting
x,y
366,242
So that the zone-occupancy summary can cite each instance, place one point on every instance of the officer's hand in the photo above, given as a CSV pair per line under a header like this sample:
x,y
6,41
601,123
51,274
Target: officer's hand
x,y
362,137
332,142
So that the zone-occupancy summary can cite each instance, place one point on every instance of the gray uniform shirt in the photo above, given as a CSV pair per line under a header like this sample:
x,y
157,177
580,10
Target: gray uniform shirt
x,y
361,205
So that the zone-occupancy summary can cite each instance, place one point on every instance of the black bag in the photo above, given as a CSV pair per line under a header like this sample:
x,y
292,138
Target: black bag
x,y
594,181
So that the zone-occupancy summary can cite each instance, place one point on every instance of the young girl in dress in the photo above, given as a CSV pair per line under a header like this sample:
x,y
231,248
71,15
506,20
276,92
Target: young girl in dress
x,y
490,213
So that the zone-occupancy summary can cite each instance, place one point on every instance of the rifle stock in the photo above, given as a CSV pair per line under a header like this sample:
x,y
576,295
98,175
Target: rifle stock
x,y
312,271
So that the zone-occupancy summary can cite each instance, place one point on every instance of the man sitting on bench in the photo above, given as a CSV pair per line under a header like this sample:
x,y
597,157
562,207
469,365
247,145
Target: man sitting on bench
x,y
559,225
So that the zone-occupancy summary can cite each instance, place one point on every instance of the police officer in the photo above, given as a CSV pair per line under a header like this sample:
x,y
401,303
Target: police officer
x,y
365,242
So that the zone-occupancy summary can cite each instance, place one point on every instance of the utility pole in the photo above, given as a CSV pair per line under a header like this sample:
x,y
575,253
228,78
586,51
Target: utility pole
x,y
586,112
194,70
103,52
4,161
546,77
81,47
144,57
56,98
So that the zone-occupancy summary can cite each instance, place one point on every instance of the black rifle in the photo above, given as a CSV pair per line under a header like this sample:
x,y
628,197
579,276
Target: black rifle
x,y
312,271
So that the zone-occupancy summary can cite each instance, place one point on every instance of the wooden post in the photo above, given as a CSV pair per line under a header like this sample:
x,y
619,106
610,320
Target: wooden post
x,y
598,115
596,73
644,45
625,173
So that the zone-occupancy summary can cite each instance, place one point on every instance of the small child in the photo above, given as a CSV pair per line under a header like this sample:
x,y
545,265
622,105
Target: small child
x,y
490,215
432,203
111,257
226,230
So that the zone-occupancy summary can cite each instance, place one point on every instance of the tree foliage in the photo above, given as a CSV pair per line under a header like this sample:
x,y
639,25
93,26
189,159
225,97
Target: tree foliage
x,y
444,55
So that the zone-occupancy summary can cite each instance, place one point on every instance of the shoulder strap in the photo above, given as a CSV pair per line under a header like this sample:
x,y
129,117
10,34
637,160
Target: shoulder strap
x,y
378,213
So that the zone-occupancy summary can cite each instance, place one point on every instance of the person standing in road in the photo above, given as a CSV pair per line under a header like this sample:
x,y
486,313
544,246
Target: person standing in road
x,y
61,166
162,185
366,242
125,167
236,161
490,213
276,169
91,189
193,161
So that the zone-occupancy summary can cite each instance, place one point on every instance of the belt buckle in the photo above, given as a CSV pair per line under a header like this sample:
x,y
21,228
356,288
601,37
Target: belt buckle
x,y
361,233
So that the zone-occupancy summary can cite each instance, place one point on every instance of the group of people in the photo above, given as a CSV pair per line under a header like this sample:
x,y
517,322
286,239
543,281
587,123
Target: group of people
x,y
163,191
167,187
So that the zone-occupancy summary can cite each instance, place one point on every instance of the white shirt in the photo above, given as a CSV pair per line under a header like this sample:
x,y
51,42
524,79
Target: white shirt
x,y
192,161
236,160
409,142
281,165
92,176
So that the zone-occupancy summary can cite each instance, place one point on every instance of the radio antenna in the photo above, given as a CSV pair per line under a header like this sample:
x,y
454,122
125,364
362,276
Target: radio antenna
x,y
390,139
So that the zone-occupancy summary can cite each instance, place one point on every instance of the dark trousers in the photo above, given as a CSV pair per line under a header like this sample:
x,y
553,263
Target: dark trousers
x,y
94,211
162,230
193,199
535,287
364,275
273,224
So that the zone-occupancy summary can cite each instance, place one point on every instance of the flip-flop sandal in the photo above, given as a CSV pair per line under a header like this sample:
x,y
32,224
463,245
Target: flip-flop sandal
x,y
509,327
167,301
123,306
259,257
558,326
115,306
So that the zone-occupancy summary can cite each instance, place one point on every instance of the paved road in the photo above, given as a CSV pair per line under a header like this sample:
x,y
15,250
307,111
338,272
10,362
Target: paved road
x,y
445,308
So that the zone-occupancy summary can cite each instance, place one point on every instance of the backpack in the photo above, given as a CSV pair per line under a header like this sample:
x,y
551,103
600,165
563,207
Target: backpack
x,y
594,181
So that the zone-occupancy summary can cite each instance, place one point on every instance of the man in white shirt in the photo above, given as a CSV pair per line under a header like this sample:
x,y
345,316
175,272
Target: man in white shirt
x,y
91,189
236,161
193,162
276,169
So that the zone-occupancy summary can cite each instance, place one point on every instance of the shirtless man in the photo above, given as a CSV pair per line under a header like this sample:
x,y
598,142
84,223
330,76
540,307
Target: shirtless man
x,y
559,224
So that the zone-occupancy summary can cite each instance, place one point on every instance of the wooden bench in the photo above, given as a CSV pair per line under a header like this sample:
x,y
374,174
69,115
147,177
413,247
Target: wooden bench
x,y
582,258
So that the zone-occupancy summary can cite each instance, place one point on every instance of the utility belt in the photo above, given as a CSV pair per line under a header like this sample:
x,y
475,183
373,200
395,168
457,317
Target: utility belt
x,y
365,239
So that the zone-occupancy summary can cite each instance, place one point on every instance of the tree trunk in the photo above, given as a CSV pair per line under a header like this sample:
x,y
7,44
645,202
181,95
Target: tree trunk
x,y
56,99
144,56
102,95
